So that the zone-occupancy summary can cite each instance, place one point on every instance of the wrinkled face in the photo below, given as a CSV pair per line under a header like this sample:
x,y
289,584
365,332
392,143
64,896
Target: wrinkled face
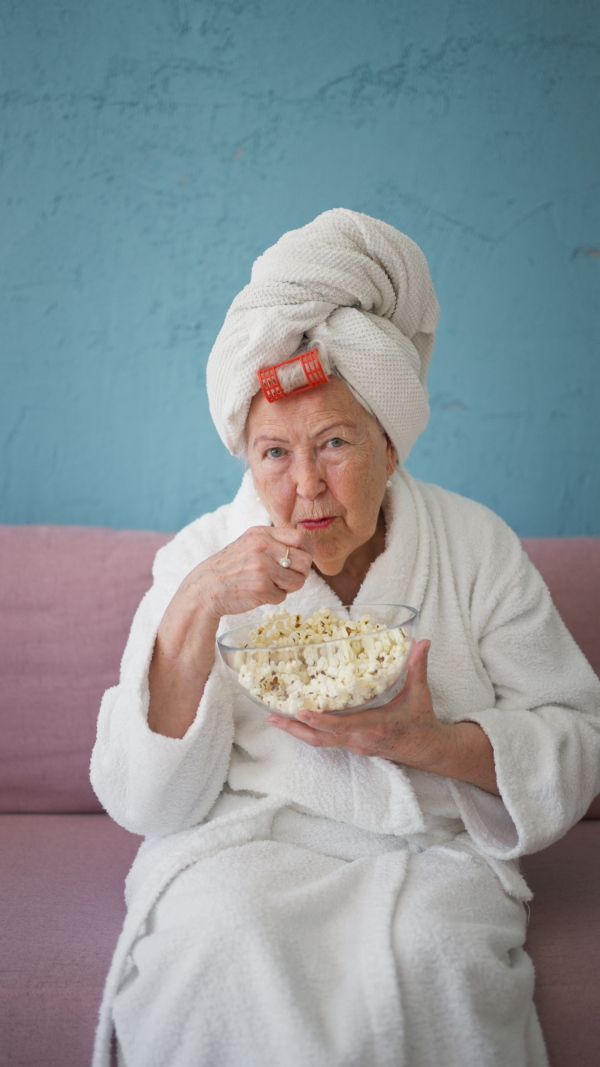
x,y
320,462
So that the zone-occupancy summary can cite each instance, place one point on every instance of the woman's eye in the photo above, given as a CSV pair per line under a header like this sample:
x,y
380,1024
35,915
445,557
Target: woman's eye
x,y
275,453
336,442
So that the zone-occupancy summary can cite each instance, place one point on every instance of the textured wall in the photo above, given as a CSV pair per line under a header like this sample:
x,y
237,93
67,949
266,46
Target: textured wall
x,y
150,149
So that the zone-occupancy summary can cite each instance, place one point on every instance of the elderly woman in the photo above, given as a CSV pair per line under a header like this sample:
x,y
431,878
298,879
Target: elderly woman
x,y
339,890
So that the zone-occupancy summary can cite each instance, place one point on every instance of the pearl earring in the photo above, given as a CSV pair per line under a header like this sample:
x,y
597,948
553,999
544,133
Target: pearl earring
x,y
389,483
258,498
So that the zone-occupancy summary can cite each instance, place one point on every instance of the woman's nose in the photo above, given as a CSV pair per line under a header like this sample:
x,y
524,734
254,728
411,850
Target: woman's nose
x,y
310,482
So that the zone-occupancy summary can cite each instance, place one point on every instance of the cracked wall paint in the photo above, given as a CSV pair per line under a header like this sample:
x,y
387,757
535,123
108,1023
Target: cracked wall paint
x,y
150,150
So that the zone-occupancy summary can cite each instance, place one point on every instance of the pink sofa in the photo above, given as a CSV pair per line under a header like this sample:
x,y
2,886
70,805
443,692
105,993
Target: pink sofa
x,y
66,601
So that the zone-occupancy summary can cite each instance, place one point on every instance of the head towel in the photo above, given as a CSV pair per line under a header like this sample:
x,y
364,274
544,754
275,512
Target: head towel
x,y
358,289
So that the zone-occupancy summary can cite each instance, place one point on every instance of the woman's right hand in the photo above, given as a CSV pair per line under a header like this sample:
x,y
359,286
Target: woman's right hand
x,y
247,573
244,575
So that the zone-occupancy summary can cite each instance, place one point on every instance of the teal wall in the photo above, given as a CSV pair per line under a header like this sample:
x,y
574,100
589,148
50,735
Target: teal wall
x,y
150,149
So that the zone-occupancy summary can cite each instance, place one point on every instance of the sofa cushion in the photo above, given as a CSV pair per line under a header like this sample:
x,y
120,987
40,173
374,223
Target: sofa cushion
x,y
67,598
563,939
62,906
570,566
61,899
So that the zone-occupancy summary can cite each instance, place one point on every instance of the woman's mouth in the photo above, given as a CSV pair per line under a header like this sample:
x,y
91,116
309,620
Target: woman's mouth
x,y
318,524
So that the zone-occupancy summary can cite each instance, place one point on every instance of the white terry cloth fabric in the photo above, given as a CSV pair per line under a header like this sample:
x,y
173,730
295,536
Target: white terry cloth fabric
x,y
358,289
276,954
235,791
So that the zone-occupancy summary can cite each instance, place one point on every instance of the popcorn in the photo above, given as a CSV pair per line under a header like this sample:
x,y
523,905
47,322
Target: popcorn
x,y
359,661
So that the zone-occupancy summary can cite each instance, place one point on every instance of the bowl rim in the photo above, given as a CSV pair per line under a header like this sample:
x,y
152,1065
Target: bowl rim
x,y
221,642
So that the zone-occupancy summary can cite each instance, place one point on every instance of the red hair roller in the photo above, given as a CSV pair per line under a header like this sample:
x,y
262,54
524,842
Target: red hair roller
x,y
292,376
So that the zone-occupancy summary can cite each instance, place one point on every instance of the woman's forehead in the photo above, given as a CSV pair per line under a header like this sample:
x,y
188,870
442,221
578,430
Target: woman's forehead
x,y
329,402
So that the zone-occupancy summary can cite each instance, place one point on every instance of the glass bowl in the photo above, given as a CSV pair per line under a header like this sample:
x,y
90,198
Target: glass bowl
x,y
337,675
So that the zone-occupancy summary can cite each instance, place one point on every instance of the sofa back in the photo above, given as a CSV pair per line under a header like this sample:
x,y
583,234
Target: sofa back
x,y
67,597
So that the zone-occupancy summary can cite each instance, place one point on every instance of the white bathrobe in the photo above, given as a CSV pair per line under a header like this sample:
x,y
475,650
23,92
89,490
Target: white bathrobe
x,y
305,906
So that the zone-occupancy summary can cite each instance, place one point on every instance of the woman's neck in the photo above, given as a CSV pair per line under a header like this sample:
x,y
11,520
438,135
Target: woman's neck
x,y
347,583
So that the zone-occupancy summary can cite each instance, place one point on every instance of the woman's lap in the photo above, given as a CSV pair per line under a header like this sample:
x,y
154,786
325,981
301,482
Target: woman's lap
x,y
270,953
467,934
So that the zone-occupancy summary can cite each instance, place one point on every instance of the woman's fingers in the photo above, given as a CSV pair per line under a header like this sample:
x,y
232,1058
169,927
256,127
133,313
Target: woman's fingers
x,y
361,721
292,544
336,725
417,665
303,732
288,535
395,731
320,729
299,562
288,578
248,572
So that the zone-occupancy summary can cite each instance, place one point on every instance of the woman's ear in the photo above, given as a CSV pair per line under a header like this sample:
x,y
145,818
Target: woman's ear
x,y
392,457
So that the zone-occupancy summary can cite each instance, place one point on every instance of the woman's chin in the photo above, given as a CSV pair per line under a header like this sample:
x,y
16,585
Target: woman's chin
x,y
329,565
330,552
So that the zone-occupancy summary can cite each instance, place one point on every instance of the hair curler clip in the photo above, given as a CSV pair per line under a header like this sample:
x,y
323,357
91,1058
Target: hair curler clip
x,y
292,376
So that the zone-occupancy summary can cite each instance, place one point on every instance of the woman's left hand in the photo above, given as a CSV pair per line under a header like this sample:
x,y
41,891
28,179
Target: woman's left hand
x,y
404,731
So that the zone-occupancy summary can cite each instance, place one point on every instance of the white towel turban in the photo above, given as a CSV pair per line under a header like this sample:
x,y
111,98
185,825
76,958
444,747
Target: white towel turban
x,y
353,286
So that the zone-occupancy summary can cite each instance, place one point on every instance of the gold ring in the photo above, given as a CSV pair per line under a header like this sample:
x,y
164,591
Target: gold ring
x,y
286,561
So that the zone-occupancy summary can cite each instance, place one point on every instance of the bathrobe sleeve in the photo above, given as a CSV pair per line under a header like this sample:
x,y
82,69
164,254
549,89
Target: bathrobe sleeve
x,y
151,784
545,724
